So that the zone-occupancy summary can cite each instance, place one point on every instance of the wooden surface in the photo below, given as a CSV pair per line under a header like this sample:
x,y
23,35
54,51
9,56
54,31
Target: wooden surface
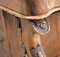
x,y
51,40
10,36
16,5
41,7
4,46
24,9
10,44
32,6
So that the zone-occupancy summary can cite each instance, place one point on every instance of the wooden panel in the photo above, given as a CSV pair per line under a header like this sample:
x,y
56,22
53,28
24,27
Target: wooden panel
x,y
43,6
26,35
16,5
12,35
4,46
51,40
37,7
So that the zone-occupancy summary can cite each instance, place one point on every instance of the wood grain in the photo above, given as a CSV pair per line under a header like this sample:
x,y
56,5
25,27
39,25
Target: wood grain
x,y
4,46
51,40
12,35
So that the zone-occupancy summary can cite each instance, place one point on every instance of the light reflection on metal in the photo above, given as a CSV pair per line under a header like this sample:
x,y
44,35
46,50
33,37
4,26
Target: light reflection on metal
x,y
41,26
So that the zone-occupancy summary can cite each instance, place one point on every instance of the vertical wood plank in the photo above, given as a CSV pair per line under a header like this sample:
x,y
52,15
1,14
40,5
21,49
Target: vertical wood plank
x,y
26,35
51,40
12,35
4,47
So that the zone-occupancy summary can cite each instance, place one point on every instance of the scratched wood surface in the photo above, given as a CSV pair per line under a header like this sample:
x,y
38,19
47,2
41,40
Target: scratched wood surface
x,y
11,46
16,5
27,6
4,46
10,36
40,7
51,40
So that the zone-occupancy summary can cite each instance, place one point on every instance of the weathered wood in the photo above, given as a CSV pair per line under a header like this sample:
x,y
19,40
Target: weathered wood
x,y
30,38
26,35
24,8
12,40
16,5
51,40
4,46
12,35
36,7
41,7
